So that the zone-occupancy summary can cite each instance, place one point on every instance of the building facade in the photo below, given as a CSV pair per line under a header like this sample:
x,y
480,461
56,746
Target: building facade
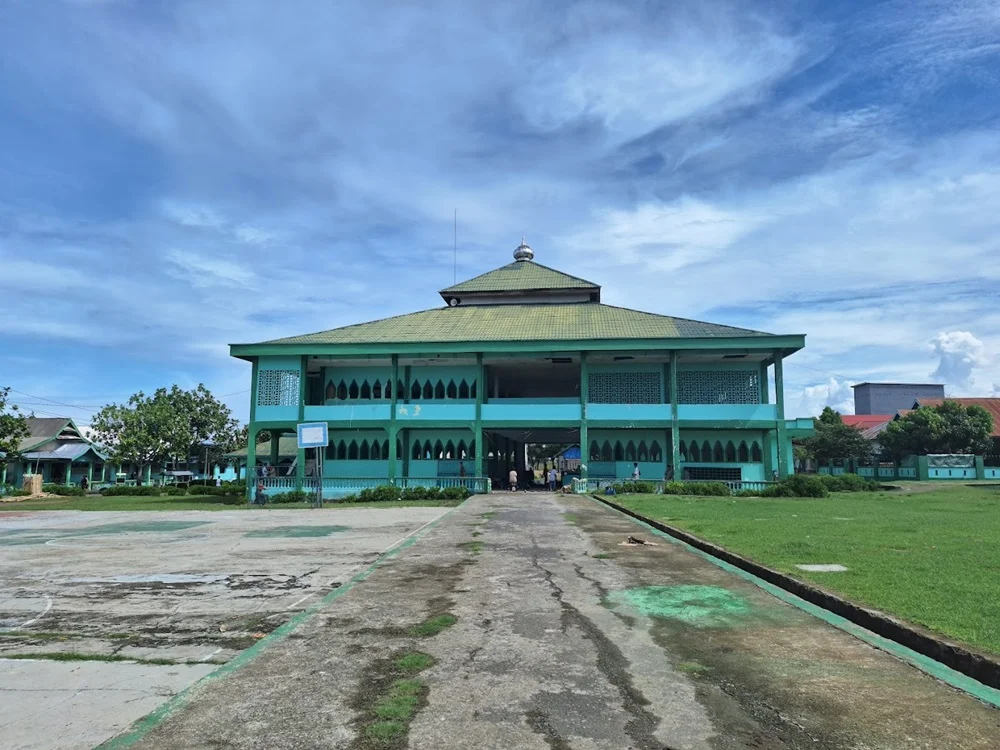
x,y
889,398
524,354
58,450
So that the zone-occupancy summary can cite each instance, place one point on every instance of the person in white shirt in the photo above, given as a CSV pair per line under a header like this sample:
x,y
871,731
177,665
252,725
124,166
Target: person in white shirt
x,y
513,480
635,472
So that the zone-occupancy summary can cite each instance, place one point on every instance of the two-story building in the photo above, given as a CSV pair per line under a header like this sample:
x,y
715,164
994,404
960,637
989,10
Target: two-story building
x,y
525,354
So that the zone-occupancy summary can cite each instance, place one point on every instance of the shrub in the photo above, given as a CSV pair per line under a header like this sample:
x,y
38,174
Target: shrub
x,y
384,493
455,493
292,496
636,487
421,493
849,483
14,492
64,490
716,489
232,490
126,490
174,491
806,485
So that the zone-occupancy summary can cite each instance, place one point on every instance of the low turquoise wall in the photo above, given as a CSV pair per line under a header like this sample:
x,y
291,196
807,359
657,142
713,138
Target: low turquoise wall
x,y
357,469
507,412
742,412
358,411
628,412
967,473
418,411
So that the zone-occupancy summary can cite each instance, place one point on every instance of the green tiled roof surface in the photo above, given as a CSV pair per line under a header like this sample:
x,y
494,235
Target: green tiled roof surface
x,y
521,276
566,322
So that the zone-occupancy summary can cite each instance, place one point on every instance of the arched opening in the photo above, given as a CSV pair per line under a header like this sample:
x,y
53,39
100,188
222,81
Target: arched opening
x,y
439,391
377,390
400,389
462,452
619,451
331,391
683,451
365,453
630,451
595,451
743,454
366,391
655,453
376,454
472,449
330,454
718,454
755,453
438,450
352,451
463,390
342,391
428,391
695,453
449,450
643,452
388,389
472,390
730,452
428,450
415,453
415,391
452,390
606,452
706,452
399,448
341,451
352,392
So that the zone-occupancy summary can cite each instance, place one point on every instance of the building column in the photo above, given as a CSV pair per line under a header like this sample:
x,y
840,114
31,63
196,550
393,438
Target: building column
x,y
3,474
477,428
406,452
779,394
393,430
251,462
300,453
275,457
148,479
766,455
675,431
584,398
764,385
90,473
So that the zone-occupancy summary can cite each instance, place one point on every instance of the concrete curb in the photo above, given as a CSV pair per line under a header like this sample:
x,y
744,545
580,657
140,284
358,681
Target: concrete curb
x,y
979,667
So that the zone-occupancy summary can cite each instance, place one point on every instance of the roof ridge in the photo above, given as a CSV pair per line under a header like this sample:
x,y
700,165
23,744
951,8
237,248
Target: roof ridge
x,y
521,264
365,323
687,320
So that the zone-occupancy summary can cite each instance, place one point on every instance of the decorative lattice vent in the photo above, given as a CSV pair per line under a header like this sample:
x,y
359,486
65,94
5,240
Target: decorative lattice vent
x,y
624,387
718,387
278,388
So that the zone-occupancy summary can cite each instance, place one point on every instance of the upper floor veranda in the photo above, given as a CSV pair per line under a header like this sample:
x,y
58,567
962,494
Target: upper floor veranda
x,y
721,387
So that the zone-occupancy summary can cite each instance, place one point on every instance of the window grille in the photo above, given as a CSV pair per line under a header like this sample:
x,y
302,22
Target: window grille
x,y
624,387
714,473
278,388
718,387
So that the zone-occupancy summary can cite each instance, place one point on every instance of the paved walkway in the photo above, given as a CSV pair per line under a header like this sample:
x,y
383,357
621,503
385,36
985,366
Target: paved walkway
x,y
566,639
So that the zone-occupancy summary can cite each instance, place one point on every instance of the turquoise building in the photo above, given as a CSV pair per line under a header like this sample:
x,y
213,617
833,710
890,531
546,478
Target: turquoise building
x,y
523,354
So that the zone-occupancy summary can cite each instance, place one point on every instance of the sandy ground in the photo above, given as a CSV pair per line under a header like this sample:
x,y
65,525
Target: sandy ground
x,y
192,588
567,639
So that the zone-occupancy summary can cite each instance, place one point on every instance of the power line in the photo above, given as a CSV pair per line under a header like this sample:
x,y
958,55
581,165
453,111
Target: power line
x,y
51,401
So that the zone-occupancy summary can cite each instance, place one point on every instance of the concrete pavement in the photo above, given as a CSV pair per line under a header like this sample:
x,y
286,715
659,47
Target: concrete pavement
x,y
566,639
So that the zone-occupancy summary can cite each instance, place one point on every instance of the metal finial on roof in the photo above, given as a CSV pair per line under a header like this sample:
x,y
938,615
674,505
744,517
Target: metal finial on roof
x,y
523,252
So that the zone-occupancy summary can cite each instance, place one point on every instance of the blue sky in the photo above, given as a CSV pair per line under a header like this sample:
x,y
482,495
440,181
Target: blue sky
x,y
178,175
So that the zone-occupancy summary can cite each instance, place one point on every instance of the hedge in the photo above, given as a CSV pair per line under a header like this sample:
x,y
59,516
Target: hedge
x,y
124,489
64,490
849,483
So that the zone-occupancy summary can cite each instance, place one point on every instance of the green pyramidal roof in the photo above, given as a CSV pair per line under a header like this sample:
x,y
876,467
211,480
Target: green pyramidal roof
x,y
524,322
521,276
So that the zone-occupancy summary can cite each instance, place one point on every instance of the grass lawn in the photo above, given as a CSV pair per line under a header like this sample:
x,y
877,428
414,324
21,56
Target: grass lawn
x,y
932,558
195,502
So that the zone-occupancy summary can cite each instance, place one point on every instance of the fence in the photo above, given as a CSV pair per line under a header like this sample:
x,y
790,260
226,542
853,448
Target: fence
x,y
336,487
932,467
599,484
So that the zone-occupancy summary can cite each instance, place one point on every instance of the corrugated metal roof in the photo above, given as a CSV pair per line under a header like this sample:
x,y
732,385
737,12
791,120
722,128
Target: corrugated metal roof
x,y
64,450
864,421
992,405
521,276
562,322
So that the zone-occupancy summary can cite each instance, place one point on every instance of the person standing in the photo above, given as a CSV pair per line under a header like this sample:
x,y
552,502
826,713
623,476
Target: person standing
x,y
513,480
635,472
552,479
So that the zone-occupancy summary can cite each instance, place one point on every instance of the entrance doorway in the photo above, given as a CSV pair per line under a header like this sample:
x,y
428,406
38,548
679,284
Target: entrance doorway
x,y
532,453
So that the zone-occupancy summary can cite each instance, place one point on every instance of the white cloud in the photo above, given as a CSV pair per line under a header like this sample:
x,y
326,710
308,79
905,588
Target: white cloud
x,y
834,393
959,353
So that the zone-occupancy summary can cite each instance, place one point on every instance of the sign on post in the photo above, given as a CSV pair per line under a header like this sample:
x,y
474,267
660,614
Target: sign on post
x,y
315,435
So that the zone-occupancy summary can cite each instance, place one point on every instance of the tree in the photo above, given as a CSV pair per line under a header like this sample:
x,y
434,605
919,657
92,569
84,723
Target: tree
x,y
13,427
834,439
948,428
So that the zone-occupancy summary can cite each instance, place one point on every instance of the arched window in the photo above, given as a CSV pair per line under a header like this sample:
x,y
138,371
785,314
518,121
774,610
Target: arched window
x,y
331,391
755,454
438,450
415,454
341,451
399,449
428,450
330,454
730,452
376,454
366,391
606,452
718,455
352,451
388,389
744,453
655,453
428,391
472,449
377,390
415,391
695,452
439,391
365,453
619,451
342,391
352,392
643,452
595,451
463,390
462,451
630,451
449,450
706,452
400,389
684,451
452,390
472,390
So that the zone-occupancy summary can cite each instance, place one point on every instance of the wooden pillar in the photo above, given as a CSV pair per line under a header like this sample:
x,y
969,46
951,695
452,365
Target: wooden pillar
x,y
393,430
584,398
675,432
779,394
477,427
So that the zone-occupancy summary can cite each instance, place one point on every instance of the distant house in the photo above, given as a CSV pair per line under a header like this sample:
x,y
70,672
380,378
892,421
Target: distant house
x,y
58,450
569,459
871,425
280,456
889,398
992,405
